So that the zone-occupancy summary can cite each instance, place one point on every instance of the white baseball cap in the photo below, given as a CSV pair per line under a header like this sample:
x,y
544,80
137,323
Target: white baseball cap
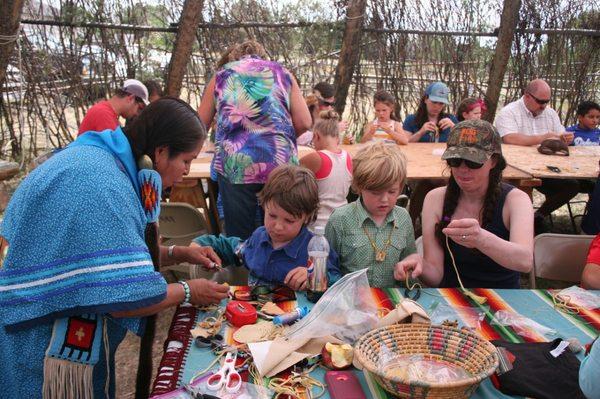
x,y
137,88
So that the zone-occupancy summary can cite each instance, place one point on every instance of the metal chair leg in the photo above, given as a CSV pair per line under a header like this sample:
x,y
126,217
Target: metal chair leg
x,y
573,225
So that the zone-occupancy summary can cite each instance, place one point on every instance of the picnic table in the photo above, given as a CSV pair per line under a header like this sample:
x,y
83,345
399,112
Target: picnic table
x,y
178,366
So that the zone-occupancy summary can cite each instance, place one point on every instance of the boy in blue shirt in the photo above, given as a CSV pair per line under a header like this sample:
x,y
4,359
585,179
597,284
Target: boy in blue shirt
x,y
586,132
276,253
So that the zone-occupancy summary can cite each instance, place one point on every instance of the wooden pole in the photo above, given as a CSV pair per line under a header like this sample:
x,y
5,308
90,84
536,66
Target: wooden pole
x,y
186,35
506,33
349,54
10,15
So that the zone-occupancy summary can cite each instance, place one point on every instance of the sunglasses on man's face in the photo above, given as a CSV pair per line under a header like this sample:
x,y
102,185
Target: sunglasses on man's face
x,y
537,100
326,103
456,162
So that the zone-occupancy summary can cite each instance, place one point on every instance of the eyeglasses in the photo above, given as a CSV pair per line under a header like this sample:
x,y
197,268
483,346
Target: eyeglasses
x,y
263,293
456,162
326,103
537,100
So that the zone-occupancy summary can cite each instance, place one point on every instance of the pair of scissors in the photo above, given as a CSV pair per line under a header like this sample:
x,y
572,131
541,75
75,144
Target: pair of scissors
x,y
227,376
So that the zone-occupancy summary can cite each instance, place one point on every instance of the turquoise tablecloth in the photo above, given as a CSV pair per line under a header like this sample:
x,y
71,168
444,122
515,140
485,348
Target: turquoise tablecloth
x,y
534,304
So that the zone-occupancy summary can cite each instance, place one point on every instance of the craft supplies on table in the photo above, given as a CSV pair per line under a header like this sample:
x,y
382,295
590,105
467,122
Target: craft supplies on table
x,y
178,365
227,377
240,313
291,317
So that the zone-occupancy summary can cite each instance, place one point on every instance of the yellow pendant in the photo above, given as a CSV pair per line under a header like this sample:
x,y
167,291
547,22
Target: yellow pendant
x,y
380,256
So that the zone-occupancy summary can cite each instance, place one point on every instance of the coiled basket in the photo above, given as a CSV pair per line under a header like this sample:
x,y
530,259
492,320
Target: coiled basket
x,y
459,347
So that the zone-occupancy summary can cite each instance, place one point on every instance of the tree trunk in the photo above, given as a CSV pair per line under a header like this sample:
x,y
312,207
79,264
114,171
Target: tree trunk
x,y
10,15
506,33
186,35
349,54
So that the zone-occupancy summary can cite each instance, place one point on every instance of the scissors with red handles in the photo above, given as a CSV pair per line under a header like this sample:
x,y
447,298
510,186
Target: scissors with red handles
x,y
226,377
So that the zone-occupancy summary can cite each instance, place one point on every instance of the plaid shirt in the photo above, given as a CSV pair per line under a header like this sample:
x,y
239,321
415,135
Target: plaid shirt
x,y
347,237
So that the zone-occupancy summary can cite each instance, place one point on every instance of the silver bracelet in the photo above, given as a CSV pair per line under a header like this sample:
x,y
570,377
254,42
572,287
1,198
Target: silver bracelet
x,y
170,251
186,290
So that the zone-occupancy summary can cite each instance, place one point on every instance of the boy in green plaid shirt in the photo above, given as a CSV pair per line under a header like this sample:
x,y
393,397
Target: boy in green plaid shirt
x,y
373,232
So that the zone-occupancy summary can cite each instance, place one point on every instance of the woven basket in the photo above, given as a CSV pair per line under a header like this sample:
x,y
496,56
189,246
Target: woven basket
x,y
447,344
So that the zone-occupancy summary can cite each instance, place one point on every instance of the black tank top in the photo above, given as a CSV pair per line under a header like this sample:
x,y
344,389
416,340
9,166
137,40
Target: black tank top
x,y
476,269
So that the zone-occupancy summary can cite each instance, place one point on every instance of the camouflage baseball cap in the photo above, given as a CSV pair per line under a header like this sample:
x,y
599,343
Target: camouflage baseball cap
x,y
474,140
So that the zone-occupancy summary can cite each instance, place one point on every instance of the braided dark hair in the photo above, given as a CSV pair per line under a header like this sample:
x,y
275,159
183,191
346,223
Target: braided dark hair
x,y
489,202
169,122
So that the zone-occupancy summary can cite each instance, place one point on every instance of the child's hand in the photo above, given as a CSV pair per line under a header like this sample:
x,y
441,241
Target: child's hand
x,y
342,126
412,265
297,278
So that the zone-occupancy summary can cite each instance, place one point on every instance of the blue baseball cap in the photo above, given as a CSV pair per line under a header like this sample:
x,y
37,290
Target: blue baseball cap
x,y
438,92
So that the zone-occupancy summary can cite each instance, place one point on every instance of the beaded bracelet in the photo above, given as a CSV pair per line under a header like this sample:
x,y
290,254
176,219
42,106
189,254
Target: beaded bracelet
x,y
188,293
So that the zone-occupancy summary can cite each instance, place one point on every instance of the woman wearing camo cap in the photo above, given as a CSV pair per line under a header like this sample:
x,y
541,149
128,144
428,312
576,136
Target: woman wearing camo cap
x,y
485,223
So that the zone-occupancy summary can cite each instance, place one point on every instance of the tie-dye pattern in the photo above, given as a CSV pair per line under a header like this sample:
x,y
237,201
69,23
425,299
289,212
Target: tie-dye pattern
x,y
254,132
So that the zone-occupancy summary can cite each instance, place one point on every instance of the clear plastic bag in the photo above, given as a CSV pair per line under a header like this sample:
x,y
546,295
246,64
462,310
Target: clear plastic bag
x,y
579,297
465,316
522,325
418,368
346,310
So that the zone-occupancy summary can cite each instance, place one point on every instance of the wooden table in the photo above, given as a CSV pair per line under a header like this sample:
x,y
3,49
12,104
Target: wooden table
x,y
424,162
182,359
582,162
525,167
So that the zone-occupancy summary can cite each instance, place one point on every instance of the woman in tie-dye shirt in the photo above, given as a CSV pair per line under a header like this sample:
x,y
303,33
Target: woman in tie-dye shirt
x,y
259,112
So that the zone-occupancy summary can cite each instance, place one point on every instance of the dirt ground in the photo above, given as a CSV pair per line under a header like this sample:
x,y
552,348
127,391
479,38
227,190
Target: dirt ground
x,y
127,355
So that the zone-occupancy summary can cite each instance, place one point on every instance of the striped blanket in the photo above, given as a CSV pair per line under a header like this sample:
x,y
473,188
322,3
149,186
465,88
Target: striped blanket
x,y
534,304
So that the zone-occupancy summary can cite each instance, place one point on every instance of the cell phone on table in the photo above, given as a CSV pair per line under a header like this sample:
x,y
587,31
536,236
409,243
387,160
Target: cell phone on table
x,y
343,385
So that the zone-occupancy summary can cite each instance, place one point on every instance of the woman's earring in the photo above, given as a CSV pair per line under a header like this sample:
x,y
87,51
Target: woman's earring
x,y
145,163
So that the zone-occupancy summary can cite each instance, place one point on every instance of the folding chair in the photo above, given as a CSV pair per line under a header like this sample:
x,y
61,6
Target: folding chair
x,y
559,257
179,224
